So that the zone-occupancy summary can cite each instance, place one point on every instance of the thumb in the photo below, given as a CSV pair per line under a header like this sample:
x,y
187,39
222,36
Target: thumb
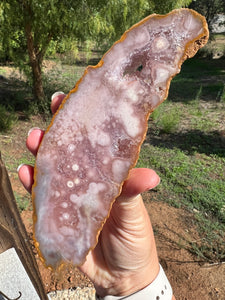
x,y
139,181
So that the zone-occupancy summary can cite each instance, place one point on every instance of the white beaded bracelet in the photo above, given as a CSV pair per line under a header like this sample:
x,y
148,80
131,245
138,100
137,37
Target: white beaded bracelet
x,y
159,289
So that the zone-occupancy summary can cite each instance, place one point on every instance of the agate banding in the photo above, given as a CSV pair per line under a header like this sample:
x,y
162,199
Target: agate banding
x,y
95,137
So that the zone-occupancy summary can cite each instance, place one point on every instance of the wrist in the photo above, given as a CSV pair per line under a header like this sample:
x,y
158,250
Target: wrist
x,y
134,277
141,279
160,288
129,282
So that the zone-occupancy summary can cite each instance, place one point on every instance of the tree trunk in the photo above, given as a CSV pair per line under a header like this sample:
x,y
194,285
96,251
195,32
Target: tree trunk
x,y
13,232
37,80
36,59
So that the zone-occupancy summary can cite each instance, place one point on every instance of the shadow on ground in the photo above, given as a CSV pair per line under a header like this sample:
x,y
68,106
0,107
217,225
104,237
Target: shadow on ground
x,y
15,94
191,141
202,78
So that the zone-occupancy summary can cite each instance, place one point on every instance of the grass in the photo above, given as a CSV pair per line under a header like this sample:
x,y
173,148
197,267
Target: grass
x,y
12,162
2,71
215,48
16,93
191,180
184,143
196,74
61,77
7,118
195,182
222,94
167,118
23,202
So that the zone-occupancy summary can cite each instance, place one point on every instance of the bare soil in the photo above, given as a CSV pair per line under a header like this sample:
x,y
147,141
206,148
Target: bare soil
x,y
189,276
174,228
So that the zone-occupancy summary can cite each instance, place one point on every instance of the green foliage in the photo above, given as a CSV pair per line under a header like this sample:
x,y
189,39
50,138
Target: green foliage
x,y
191,160
188,178
23,202
7,119
30,27
196,182
222,95
166,118
49,21
34,28
188,84
62,77
122,14
163,7
198,94
208,8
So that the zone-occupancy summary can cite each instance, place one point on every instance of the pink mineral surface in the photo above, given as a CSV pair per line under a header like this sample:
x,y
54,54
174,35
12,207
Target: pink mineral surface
x,y
95,137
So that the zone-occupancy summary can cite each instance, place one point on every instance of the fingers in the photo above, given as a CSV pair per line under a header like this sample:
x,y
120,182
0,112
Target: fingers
x,y
139,181
26,174
35,135
34,139
57,99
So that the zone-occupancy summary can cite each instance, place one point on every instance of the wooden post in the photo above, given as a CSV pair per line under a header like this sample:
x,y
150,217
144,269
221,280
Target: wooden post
x,y
13,232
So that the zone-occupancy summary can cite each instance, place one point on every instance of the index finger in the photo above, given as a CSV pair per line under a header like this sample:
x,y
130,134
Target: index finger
x,y
57,99
35,135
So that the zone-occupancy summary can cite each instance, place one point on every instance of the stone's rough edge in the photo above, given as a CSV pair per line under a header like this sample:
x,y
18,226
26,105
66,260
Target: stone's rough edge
x,y
190,50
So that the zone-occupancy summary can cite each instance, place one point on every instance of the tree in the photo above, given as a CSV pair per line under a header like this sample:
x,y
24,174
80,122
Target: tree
x,y
33,24
30,25
162,6
209,8
122,14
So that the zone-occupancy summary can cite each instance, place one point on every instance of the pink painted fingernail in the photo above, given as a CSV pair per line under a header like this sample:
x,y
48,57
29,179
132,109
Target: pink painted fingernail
x,y
19,167
56,94
159,180
156,184
33,128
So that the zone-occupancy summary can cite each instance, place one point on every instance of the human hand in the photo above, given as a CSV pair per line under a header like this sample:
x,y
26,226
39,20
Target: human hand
x,y
125,258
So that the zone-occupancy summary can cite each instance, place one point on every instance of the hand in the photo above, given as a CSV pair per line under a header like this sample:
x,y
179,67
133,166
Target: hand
x,y
125,258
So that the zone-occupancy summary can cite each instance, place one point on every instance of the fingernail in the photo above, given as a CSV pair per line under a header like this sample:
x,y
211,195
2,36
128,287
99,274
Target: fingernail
x,y
19,167
156,184
158,181
33,128
56,94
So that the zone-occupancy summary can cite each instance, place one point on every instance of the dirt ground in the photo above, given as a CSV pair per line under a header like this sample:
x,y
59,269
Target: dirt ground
x,y
189,277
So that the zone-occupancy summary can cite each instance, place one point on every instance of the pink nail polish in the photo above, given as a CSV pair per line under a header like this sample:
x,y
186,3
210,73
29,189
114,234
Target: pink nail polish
x,y
56,94
19,167
33,128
